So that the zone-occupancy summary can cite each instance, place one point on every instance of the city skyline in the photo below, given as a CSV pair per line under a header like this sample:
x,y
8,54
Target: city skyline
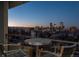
x,y
42,13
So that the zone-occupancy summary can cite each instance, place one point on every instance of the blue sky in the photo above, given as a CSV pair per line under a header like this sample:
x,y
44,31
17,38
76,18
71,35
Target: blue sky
x,y
42,13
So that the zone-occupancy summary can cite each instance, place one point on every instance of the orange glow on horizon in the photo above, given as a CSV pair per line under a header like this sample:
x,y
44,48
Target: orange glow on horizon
x,y
14,24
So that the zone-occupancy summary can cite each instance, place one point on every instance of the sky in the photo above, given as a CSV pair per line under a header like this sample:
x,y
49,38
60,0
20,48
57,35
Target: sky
x,y
42,13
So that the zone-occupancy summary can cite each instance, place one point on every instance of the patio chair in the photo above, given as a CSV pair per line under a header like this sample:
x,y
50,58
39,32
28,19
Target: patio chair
x,y
18,52
65,51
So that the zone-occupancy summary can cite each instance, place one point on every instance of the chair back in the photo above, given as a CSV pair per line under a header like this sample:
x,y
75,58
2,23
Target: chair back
x,y
67,51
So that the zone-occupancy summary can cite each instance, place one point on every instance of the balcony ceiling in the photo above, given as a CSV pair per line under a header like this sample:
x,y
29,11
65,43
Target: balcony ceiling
x,y
15,3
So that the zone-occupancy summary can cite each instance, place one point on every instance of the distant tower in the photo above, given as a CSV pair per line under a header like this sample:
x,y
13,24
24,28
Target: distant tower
x,y
51,26
61,25
54,27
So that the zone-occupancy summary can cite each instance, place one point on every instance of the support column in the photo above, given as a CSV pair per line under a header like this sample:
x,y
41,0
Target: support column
x,y
3,22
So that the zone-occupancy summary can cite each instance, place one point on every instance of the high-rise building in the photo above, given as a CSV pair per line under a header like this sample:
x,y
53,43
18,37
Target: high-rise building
x,y
61,26
51,26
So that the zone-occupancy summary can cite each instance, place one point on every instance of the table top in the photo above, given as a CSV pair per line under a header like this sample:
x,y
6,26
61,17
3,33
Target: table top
x,y
38,41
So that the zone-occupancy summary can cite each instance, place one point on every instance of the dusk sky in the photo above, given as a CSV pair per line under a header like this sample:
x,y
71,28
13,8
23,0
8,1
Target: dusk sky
x,y
42,13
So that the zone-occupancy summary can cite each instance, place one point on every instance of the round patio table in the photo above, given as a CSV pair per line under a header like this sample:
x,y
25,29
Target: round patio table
x,y
38,42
